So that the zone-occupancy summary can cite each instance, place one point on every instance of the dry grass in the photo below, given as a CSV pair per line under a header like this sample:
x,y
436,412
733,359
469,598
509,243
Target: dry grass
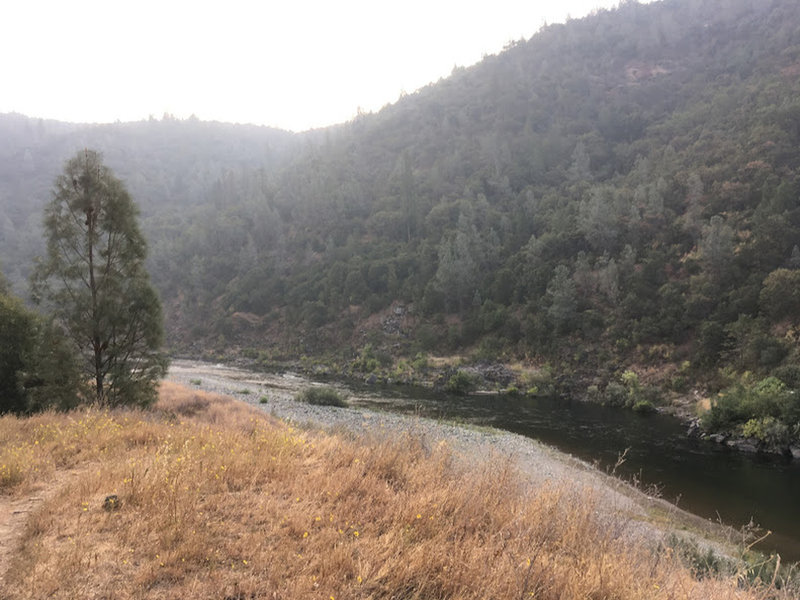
x,y
218,501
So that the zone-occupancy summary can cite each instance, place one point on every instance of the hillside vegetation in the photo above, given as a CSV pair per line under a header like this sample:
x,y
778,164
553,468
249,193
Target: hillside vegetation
x,y
618,194
205,497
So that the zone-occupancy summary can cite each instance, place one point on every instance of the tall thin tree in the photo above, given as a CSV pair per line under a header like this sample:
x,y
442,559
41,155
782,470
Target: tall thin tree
x,y
94,279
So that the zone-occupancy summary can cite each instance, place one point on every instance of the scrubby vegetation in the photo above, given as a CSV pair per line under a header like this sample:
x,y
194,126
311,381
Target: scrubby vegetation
x,y
216,500
766,410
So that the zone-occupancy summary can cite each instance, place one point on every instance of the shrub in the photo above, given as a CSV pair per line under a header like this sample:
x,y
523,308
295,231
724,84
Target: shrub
x,y
644,407
615,394
767,430
420,362
322,396
371,360
461,383
765,400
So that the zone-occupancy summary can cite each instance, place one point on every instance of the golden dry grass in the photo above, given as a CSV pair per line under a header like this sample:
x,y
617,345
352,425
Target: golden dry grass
x,y
218,501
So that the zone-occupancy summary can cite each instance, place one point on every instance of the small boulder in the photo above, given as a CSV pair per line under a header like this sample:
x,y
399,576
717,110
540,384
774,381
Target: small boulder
x,y
744,445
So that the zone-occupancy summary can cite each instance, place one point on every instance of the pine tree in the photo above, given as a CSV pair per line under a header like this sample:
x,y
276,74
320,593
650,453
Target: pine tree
x,y
94,279
563,298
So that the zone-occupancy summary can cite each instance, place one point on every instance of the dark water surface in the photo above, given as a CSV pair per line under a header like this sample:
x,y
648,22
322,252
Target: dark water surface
x,y
701,477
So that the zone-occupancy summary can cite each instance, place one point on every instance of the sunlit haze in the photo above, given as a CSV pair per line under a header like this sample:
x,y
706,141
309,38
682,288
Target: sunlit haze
x,y
294,65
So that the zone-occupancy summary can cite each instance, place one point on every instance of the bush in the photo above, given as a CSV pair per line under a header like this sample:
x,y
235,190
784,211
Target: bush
x,y
371,360
644,407
322,396
768,430
756,405
461,383
615,394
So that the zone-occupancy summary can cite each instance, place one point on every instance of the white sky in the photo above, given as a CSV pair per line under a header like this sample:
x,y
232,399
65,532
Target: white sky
x,y
294,64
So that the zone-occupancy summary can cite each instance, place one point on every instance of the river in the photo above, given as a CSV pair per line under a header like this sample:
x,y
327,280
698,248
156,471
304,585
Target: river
x,y
703,478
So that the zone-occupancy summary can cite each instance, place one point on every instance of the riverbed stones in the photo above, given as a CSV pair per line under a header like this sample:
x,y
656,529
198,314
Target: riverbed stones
x,y
749,445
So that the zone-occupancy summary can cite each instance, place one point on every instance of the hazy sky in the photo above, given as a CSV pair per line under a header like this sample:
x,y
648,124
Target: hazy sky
x,y
294,64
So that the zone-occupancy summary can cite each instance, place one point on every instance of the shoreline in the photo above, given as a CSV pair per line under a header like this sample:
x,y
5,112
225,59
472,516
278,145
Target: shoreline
x,y
537,463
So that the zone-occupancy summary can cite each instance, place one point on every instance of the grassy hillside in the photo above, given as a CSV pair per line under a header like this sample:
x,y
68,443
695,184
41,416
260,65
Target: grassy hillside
x,y
214,499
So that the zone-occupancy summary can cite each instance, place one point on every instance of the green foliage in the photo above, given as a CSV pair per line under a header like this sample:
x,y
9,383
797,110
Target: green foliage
x,y
767,410
420,363
38,369
767,430
17,338
93,279
54,378
628,392
644,407
461,383
780,295
371,360
789,375
323,396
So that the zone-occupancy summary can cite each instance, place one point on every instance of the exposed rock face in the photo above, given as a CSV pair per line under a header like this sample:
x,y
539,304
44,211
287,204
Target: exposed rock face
x,y
496,373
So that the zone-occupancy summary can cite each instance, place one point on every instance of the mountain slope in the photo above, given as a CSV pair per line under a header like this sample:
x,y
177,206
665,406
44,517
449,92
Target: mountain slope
x,y
625,181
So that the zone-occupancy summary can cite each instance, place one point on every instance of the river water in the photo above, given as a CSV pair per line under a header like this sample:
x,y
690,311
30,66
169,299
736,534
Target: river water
x,y
701,477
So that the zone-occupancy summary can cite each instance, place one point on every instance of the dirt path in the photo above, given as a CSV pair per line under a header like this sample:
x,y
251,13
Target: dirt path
x,y
14,513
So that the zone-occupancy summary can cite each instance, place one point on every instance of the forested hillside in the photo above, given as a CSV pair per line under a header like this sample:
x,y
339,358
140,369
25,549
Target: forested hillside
x,y
620,188
618,192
